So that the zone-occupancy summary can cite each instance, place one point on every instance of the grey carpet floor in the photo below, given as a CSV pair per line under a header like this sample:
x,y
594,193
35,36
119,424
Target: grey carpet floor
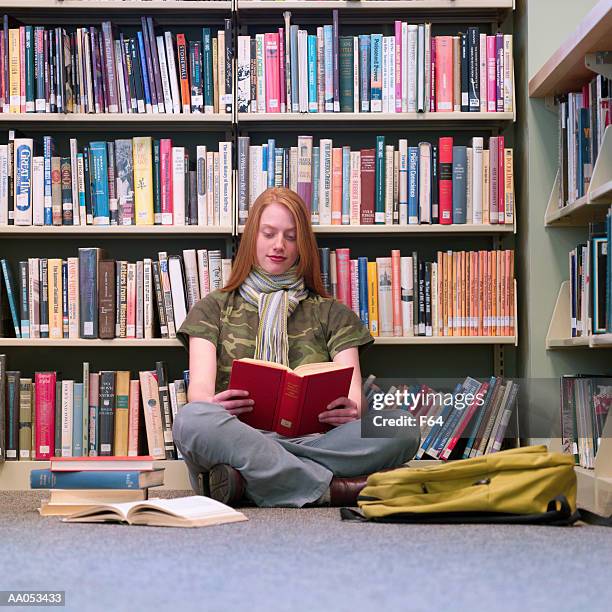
x,y
286,559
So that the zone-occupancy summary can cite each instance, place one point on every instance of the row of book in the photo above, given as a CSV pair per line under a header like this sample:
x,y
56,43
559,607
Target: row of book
x,y
461,293
107,413
131,181
585,403
425,183
590,274
583,118
91,296
292,70
94,70
469,421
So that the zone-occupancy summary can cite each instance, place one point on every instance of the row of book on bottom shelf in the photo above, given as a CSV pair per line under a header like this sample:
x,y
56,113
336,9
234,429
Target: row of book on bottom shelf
x,y
590,274
91,296
585,403
470,420
106,413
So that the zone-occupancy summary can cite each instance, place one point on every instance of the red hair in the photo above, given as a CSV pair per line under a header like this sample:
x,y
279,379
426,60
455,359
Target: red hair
x,y
308,264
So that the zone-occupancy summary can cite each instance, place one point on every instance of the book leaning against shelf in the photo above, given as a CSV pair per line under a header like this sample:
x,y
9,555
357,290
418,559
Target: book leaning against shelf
x,y
130,181
590,280
93,70
92,296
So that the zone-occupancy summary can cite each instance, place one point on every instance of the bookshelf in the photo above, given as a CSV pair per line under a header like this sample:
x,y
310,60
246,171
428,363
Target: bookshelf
x,y
495,354
570,67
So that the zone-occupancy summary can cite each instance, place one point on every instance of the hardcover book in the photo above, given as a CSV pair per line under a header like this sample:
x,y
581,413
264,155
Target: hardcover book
x,y
193,511
289,401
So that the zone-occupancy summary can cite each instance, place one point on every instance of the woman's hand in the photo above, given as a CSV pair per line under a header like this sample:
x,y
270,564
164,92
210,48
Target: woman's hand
x,y
341,410
235,401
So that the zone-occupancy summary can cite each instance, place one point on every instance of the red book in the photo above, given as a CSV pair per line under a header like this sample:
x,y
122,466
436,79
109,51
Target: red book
x,y
272,72
466,417
445,180
343,274
289,401
144,463
501,184
45,415
368,175
281,64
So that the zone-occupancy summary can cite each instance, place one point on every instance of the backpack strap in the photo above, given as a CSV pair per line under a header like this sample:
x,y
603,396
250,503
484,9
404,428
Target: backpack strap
x,y
590,518
558,513
348,514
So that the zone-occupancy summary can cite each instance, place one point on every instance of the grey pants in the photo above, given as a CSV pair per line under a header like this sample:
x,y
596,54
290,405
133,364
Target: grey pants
x,y
281,471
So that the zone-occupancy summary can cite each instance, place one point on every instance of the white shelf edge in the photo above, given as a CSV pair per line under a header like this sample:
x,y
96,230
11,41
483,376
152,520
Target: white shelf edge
x,y
112,230
365,5
409,229
114,117
117,5
371,117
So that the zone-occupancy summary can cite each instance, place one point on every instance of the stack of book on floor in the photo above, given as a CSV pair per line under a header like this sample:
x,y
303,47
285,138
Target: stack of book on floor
x,y
77,483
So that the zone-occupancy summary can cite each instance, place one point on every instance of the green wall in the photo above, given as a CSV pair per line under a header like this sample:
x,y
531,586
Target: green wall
x,y
542,26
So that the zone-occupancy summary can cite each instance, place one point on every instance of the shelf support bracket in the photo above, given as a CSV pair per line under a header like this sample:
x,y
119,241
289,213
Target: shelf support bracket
x,y
600,62
550,104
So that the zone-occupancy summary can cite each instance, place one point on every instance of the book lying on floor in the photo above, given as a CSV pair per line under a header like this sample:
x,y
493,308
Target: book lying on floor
x,y
193,511
64,502
289,401
102,464
46,479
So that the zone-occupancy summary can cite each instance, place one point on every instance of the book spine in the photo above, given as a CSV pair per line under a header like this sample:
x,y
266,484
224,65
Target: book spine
x,y
446,180
44,415
88,284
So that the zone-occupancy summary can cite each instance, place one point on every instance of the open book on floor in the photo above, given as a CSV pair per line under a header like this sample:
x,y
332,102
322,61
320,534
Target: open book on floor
x,y
289,401
193,511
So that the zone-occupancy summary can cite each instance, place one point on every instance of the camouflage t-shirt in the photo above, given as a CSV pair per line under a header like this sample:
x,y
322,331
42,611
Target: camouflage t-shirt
x,y
318,329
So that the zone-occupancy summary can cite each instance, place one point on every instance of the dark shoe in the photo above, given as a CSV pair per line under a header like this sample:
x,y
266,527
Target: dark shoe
x,y
226,484
203,486
344,491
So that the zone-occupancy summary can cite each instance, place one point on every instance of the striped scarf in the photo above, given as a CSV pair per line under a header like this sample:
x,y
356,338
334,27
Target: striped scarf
x,y
276,297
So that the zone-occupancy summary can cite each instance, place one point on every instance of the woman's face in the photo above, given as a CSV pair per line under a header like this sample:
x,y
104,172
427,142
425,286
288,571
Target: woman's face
x,y
276,239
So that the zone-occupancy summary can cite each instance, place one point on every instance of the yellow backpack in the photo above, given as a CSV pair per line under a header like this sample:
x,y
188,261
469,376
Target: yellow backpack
x,y
520,485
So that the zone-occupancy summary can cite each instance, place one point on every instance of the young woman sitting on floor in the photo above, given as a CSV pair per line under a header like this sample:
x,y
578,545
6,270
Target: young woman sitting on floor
x,y
276,274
